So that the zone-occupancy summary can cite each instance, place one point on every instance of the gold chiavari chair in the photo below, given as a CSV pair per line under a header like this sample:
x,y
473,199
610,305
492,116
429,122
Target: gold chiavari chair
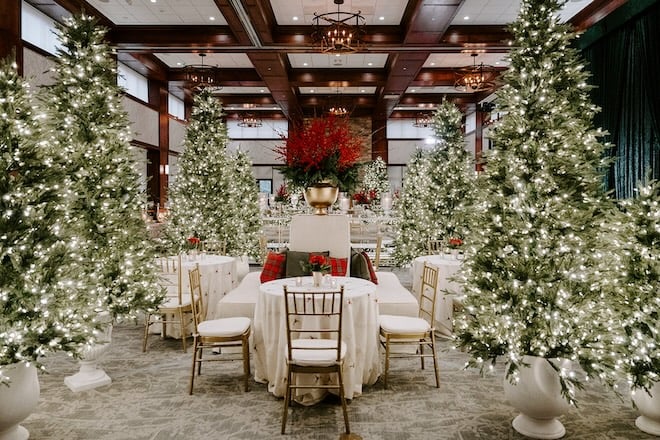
x,y
314,342
407,330
216,334
176,305
434,247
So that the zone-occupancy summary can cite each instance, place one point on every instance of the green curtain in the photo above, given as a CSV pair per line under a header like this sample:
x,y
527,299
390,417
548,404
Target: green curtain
x,y
626,66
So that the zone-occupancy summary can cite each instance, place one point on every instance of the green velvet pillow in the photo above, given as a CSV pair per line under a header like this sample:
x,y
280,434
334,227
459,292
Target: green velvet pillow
x,y
293,259
359,267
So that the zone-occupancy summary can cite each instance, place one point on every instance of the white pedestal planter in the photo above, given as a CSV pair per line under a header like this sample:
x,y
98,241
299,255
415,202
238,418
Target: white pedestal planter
x,y
18,400
538,398
649,408
90,375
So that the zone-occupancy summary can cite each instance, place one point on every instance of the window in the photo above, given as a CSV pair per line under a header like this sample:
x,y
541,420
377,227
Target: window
x,y
265,185
39,29
135,84
175,107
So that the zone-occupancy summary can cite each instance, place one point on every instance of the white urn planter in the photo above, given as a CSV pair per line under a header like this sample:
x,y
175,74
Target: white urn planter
x,y
649,408
18,400
90,375
537,396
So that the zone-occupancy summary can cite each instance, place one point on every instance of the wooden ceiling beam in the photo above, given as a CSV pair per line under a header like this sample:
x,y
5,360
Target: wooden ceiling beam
x,y
273,69
136,38
594,12
233,21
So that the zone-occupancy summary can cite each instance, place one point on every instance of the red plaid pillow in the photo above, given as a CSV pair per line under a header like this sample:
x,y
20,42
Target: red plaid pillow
x,y
274,267
338,266
370,266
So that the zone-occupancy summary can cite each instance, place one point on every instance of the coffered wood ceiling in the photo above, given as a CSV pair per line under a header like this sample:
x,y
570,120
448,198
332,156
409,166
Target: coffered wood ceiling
x,y
269,64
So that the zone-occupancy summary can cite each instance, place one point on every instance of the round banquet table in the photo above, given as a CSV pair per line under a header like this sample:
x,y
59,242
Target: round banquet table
x,y
218,276
359,333
447,265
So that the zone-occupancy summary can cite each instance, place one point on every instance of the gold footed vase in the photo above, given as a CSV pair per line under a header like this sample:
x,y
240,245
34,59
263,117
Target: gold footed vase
x,y
321,197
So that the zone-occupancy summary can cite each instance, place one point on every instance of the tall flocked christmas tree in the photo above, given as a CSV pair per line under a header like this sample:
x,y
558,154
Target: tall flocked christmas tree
x,y
375,181
90,130
439,189
412,229
214,196
535,283
40,312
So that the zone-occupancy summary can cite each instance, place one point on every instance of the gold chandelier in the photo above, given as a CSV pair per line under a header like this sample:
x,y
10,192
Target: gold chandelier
x,y
475,78
250,121
202,75
423,120
343,32
337,106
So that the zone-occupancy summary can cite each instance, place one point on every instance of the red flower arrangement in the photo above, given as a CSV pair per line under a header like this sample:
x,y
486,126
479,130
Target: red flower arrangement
x,y
455,242
324,150
365,197
317,263
193,242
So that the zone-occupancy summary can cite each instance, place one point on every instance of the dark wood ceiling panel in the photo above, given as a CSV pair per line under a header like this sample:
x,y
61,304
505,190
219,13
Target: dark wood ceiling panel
x,y
262,19
233,21
337,78
273,69
430,21
171,38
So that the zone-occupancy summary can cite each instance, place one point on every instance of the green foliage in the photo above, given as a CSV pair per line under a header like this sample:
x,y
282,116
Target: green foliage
x,y
90,130
214,195
39,312
536,281
641,284
438,191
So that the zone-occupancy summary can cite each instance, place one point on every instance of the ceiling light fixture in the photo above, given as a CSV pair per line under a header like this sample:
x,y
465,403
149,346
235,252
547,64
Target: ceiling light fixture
x,y
250,121
339,32
201,76
423,120
337,106
475,78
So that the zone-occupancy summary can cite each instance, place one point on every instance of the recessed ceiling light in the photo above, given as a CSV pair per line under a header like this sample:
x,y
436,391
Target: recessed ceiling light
x,y
381,18
311,90
337,54
178,64
467,17
153,1
262,90
212,18
432,63
304,64
497,62
294,18
405,68
370,64
362,91
413,90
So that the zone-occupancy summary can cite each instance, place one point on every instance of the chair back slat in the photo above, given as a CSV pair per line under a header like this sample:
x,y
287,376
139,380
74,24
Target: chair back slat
x,y
170,275
428,293
434,247
317,314
196,297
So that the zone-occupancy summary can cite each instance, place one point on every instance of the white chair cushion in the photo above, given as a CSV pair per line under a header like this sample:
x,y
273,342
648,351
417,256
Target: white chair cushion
x,y
225,327
318,358
403,324
171,302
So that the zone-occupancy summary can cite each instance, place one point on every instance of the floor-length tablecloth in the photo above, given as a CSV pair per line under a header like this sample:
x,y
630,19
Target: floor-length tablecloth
x,y
218,276
447,265
359,333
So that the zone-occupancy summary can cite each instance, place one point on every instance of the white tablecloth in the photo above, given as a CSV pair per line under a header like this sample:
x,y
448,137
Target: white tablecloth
x,y
218,276
447,266
360,333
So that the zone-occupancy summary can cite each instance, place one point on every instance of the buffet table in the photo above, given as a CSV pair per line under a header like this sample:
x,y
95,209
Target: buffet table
x,y
360,334
447,265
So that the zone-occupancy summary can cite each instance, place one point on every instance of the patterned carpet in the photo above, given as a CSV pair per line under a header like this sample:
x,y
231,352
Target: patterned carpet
x,y
148,400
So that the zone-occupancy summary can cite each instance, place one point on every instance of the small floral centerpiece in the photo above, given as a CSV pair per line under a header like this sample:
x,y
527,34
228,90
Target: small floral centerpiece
x,y
455,243
282,194
365,197
323,151
193,243
316,263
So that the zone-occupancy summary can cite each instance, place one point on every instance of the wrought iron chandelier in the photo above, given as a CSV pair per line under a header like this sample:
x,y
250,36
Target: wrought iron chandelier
x,y
423,120
202,75
475,78
250,121
339,32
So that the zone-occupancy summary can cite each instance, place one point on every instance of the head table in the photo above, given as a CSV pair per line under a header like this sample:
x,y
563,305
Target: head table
x,y
447,265
359,333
